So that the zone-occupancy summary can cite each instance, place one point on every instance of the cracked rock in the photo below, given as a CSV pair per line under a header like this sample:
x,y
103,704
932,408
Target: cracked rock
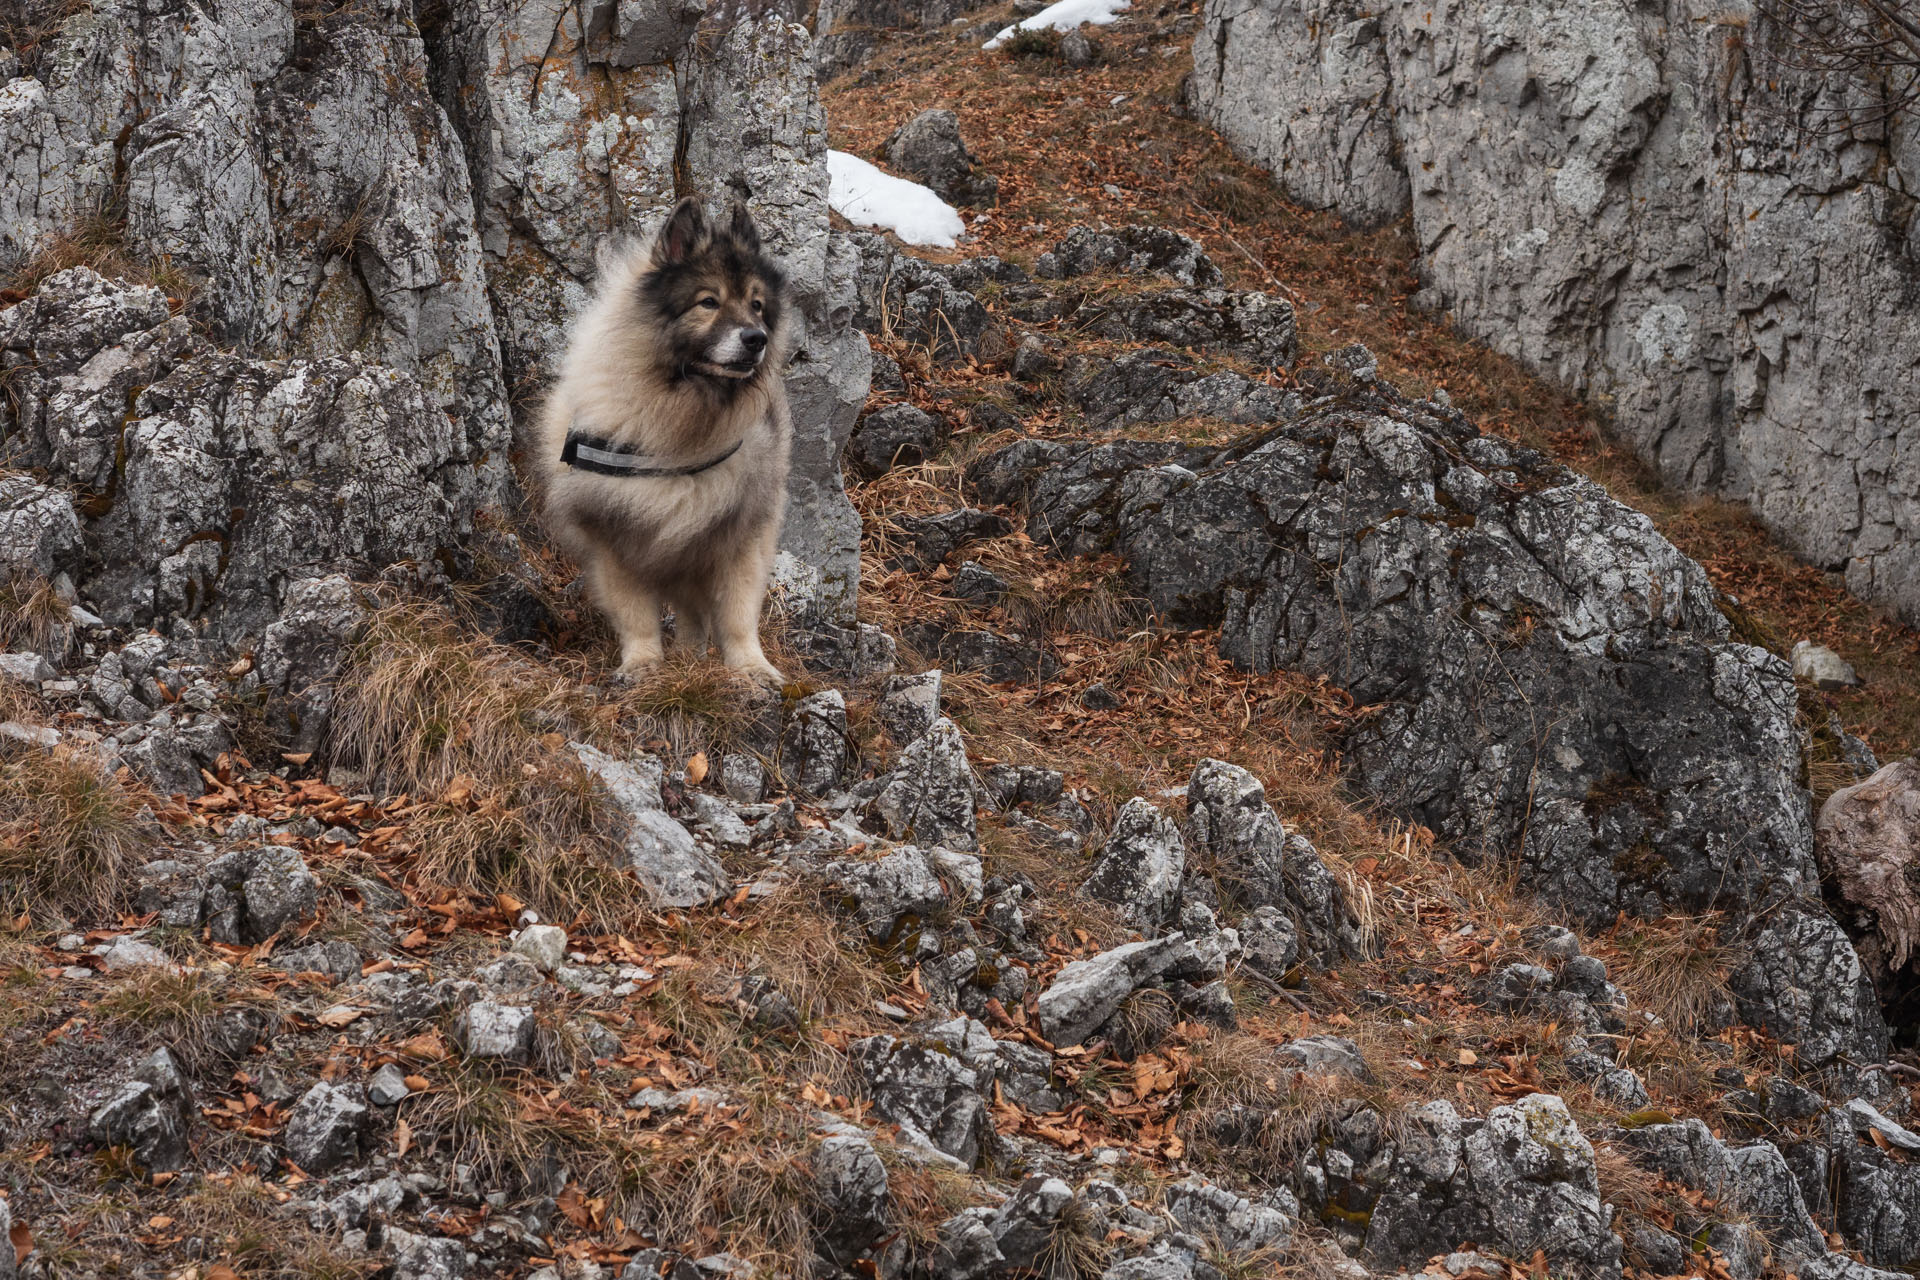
x,y
1084,994
150,1113
501,1032
929,796
1141,867
326,1127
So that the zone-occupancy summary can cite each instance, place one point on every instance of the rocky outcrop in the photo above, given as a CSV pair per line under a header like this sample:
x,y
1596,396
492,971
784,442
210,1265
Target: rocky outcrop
x,y
1659,207
209,481
1553,680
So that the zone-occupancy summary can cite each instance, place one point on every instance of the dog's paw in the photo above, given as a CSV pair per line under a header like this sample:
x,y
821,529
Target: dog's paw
x,y
760,671
636,668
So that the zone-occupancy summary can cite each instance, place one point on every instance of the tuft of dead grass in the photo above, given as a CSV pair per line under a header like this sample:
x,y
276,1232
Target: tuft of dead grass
x,y
179,1008
476,734
242,1221
31,612
1676,967
70,834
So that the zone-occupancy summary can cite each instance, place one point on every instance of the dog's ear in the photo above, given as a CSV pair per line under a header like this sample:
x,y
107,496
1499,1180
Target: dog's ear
x,y
743,230
685,234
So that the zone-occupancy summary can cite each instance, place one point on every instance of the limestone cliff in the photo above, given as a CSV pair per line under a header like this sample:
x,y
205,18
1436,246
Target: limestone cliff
x,y
1652,204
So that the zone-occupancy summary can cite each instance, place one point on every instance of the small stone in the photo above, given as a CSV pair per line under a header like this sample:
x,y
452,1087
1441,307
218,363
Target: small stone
x,y
1087,992
326,1127
1821,667
743,778
1098,697
814,750
131,953
929,796
387,1086
544,944
1141,867
979,585
150,1113
26,668
910,705
496,1031
1327,1056
897,436
1076,50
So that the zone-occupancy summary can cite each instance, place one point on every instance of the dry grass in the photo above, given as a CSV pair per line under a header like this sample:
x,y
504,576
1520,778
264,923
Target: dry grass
x,y
736,1179
240,1217
1676,967
31,614
476,734
178,1009
70,835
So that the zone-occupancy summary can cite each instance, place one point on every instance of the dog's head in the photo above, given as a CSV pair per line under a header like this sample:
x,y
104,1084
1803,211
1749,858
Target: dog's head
x,y
718,299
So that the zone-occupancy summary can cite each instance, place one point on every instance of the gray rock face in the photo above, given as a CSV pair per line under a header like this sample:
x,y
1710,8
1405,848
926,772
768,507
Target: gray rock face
x,y
1159,385
39,531
150,1113
326,1127
852,1185
1141,867
909,705
890,896
1129,251
1234,836
929,795
896,436
926,1090
814,751
1239,1224
1024,1225
1087,992
1652,206
1754,1179
1871,1196
929,149
1520,1180
501,1032
1460,580
230,471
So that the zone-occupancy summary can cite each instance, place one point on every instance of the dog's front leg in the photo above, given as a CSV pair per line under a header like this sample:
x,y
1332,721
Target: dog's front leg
x,y
737,596
633,609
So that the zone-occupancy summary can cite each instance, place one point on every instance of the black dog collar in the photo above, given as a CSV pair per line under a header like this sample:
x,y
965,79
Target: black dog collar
x,y
604,457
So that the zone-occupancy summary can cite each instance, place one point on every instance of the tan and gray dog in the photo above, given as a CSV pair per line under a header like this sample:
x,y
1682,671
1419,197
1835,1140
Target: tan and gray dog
x,y
664,445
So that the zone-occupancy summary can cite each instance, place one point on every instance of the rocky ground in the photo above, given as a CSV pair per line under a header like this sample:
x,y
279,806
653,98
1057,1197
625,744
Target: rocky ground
x,y
1260,824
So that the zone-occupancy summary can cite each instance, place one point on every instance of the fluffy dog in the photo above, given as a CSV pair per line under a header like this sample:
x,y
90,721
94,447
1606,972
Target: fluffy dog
x,y
664,445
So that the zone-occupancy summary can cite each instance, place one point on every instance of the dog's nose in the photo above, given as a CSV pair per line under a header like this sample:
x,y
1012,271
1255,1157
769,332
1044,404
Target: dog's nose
x,y
754,340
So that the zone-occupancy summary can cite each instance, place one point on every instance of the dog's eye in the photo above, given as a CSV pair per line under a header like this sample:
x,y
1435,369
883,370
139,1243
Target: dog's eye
x,y
711,304
758,306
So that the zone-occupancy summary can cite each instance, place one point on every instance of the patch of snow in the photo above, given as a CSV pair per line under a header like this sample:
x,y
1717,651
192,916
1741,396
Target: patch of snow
x,y
1064,16
863,194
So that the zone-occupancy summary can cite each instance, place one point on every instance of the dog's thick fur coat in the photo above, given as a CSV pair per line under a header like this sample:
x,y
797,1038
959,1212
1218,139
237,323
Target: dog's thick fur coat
x,y
678,357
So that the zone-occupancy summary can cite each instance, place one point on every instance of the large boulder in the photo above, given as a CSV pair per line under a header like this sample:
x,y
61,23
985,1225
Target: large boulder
x,y
1521,1180
1456,580
208,477
1671,208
